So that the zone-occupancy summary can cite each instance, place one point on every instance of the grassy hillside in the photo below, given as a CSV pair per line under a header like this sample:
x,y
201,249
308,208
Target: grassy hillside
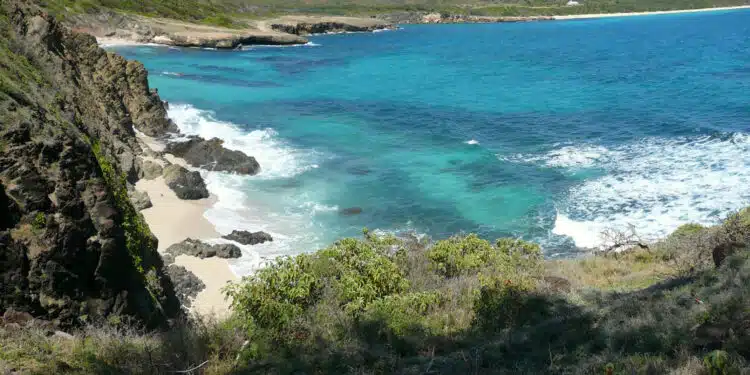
x,y
221,11
458,306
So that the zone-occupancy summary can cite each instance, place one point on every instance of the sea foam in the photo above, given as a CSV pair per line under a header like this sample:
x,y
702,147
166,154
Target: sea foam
x,y
277,160
654,185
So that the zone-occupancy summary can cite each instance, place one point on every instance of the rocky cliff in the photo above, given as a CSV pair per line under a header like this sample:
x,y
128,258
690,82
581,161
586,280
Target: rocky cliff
x,y
72,247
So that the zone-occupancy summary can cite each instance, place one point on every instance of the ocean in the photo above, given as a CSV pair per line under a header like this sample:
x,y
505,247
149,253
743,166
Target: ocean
x,y
547,131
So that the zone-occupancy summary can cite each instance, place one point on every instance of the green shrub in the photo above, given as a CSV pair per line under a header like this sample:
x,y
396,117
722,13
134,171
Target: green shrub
x,y
460,255
465,255
276,294
40,221
503,302
404,313
687,230
716,362
354,272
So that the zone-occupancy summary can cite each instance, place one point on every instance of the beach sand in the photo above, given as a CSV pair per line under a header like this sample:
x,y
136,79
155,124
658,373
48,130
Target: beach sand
x,y
172,220
603,15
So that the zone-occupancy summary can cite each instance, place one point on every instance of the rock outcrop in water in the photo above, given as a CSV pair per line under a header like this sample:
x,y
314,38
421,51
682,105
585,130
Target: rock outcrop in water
x,y
212,155
248,238
71,243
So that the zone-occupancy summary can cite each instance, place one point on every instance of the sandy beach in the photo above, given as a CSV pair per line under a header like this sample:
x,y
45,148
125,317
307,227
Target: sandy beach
x,y
173,220
603,15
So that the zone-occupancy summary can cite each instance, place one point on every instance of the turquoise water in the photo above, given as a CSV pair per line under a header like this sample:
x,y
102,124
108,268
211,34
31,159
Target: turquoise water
x,y
548,131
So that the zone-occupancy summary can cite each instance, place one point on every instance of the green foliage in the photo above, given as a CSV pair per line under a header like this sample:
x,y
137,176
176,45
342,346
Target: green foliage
x,y
716,362
464,255
353,272
40,221
687,230
504,302
460,255
402,314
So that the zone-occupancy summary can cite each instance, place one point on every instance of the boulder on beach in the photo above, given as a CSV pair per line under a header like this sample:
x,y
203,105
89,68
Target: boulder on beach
x,y
212,155
139,199
248,238
186,284
202,250
186,184
150,170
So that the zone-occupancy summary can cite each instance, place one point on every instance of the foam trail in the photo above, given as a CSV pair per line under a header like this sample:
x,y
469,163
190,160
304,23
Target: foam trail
x,y
257,46
654,185
472,142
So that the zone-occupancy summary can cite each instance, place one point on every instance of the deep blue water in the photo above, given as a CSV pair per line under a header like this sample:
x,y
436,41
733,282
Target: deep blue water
x,y
551,131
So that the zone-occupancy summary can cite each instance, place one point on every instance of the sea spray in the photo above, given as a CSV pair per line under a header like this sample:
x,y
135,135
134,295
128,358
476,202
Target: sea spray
x,y
654,185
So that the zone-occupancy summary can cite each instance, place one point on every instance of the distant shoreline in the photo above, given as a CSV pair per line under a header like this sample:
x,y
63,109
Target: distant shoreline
x,y
658,12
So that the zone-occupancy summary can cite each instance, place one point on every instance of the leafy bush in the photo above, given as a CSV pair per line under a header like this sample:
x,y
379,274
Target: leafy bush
x,y
460,255
354,272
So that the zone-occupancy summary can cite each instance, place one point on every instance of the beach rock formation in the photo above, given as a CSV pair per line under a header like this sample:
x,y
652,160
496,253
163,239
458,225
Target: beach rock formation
x,y
186,284
248,238
306,25
71,242
202,250
186,184
212,155
132,27
150,170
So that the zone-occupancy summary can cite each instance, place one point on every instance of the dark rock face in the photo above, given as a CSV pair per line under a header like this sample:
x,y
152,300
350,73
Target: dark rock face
x,y
350,211
248,238
203,250
68,116
186,184
186,284
211,154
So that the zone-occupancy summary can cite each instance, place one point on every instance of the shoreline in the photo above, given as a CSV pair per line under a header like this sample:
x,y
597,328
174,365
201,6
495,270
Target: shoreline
x,y
123,40
651,13
173,220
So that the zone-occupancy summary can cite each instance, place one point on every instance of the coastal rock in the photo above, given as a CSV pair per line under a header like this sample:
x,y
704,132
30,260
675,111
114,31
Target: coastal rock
x,y
350,211
186,284
167,258
202,250
105,24
139,199
212,155
186,184
248,238
64,212
150,170
306,25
